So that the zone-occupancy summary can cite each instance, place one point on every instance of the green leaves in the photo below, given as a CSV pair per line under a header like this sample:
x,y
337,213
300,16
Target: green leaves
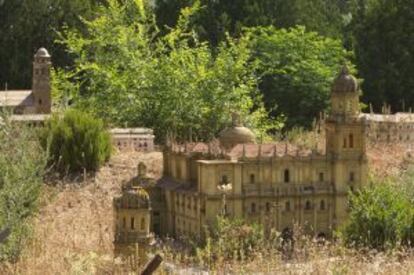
x,y
22,165
297,68
129,74
76,141
381,217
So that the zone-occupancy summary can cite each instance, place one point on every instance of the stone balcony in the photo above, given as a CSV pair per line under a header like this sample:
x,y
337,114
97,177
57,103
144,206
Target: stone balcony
x,y
287,189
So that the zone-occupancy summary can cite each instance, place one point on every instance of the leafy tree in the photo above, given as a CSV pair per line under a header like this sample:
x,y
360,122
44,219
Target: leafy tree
x,y
218,17
22,165
26,25
129,74
76,141
298,68
383,33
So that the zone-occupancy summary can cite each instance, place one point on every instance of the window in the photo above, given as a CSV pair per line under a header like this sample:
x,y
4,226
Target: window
x,y
287,206
267,206
322,205
40,102
352,177
308,205
124,223
132,223
286,176
252,180
143,224
321,177
253,208
351,141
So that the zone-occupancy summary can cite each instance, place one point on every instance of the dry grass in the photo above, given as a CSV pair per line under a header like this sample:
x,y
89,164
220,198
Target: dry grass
x,y
73,230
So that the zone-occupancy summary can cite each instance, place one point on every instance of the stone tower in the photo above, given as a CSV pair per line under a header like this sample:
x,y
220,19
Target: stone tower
x,y
345,140
41,82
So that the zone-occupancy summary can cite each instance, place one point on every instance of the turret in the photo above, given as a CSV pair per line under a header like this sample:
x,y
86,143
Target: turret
x,y
41,82
345,95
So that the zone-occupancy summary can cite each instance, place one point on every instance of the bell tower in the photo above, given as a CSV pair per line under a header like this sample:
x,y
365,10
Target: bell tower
x,y
345,141
41,82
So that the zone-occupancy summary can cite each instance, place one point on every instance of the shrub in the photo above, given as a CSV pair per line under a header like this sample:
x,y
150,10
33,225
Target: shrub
x,y
22,166
76,141
231,239
381,217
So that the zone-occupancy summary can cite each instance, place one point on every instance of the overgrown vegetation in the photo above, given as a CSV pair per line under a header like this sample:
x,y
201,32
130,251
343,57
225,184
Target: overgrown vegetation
x,y
381,216
76,142
22,166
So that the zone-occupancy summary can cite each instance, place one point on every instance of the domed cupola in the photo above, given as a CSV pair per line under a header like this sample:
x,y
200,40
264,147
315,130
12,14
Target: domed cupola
x,y
345,95
236,134
345,82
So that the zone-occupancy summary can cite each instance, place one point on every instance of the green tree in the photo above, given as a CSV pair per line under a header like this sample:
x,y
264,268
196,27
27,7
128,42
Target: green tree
x,y
219,17
22,165
297,68
383,32
26,25
129,74
76,141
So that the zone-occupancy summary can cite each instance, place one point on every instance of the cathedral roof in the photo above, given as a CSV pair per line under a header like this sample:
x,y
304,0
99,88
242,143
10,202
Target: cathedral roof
x,y
16,98
345,82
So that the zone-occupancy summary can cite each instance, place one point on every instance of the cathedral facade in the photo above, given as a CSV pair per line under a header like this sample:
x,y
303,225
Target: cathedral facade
x,y
275,184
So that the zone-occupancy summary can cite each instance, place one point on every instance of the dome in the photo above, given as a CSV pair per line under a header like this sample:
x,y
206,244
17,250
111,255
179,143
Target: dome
x,y
133,198
345,82
42,52
236,134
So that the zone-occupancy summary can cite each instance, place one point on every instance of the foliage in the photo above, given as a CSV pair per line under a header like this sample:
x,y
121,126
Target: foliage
x,y
22,165
129,74
229,239
76,141
220,17
27,25
383,32
298,69
381,217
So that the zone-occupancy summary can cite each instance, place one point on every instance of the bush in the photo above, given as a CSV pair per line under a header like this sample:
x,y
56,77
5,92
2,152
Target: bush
x,y
231,239
76,141
22,166
381,217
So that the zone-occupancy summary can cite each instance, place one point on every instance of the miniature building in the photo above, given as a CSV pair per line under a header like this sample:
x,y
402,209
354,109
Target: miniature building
x,y
133,216
38,99
276,183
136,139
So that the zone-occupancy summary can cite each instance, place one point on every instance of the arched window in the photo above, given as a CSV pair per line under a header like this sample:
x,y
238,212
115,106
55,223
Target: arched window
x,y
322,205
308,205
321,177
351,176
286,176
132,223
287,206
252,179
253,207
351,141
142,223
124,223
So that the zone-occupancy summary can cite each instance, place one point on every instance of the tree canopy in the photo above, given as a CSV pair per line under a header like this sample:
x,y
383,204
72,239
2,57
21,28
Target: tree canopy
x,y
127,73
